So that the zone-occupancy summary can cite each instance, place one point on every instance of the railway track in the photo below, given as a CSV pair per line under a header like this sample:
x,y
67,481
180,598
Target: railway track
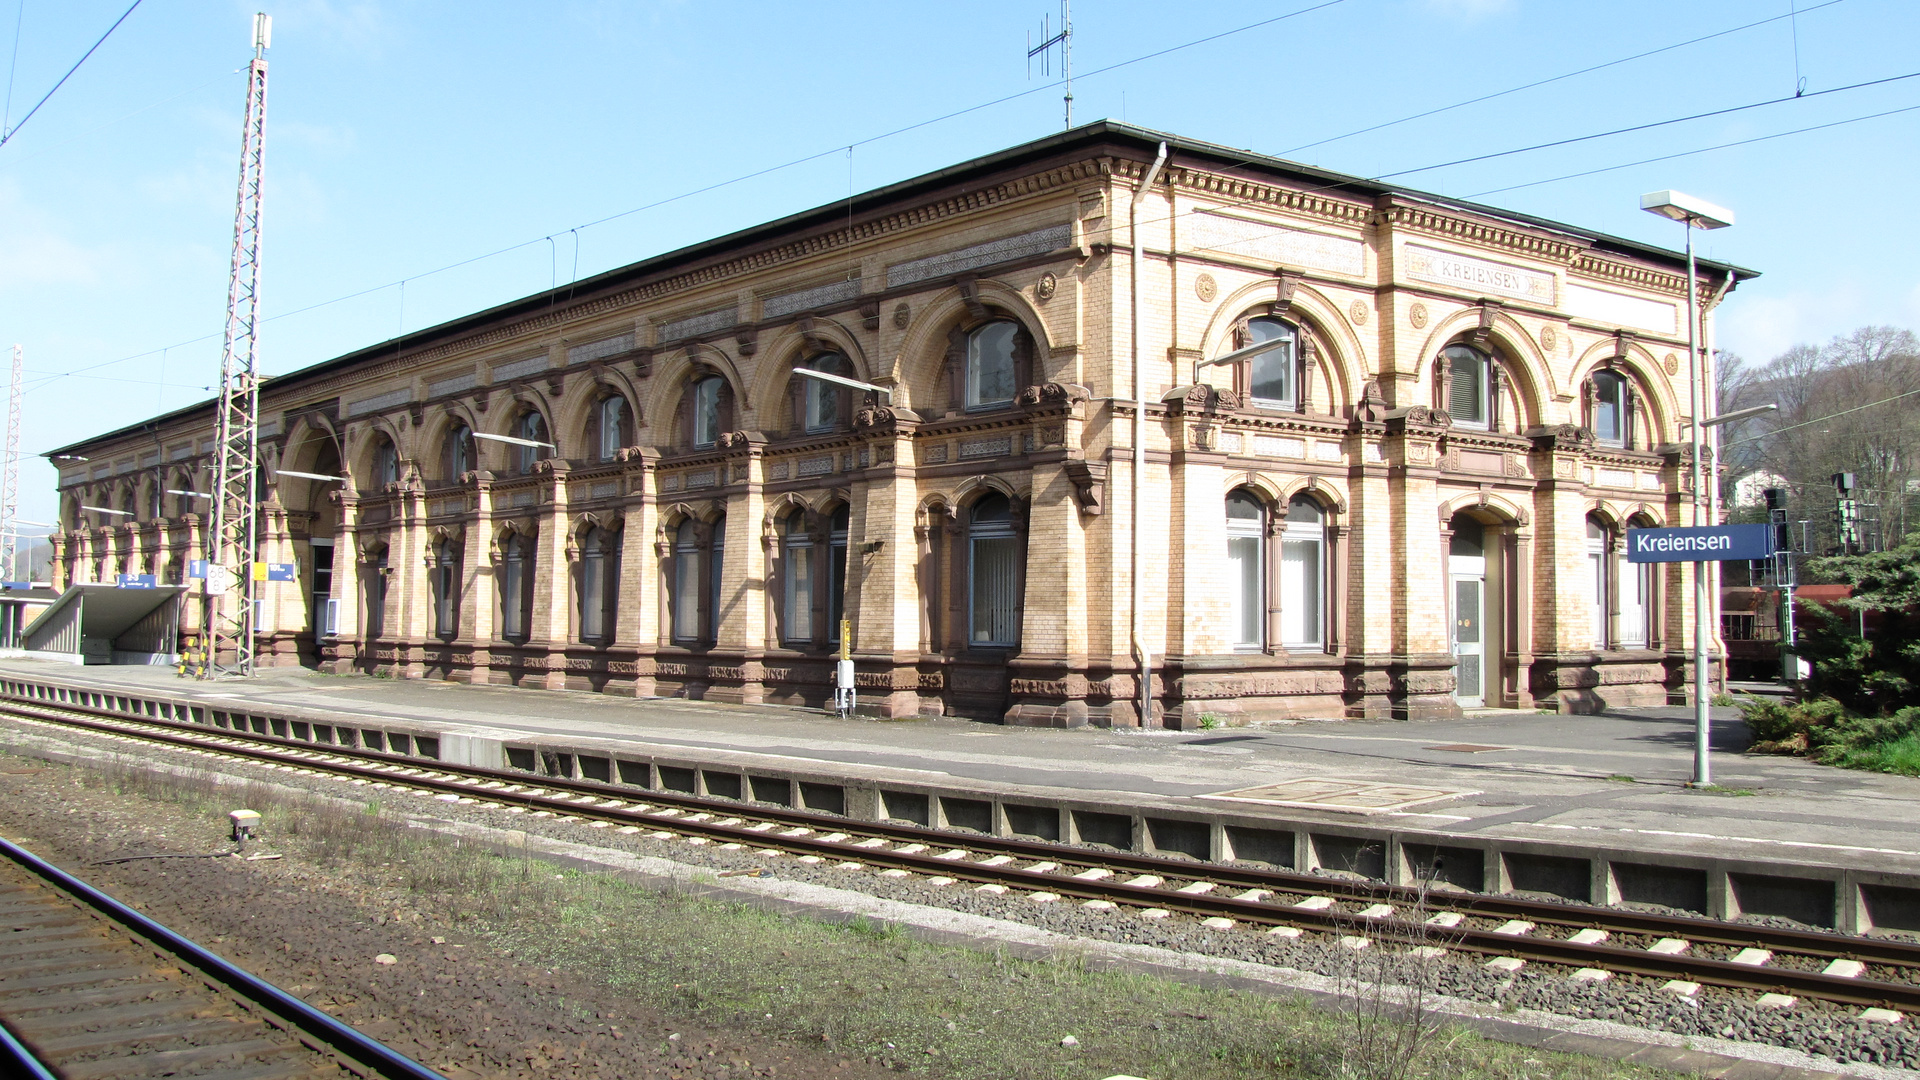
x,y
91,989
1684,954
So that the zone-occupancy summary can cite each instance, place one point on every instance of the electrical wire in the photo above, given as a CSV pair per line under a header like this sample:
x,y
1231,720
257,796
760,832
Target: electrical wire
x,y
1553,79
9,134
1821,419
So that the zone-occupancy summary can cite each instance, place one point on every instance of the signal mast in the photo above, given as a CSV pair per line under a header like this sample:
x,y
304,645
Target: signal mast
x,y
231,592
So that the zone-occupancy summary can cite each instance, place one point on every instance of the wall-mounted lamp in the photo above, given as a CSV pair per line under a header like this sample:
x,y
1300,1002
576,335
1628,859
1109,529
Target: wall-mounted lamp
x,y
106,510
194,494
1238,355
844,381
868,547
307,476
513,440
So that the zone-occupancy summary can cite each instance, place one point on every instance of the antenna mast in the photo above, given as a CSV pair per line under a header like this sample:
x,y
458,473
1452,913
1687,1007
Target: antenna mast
x,y
10,481
1064,39
228,627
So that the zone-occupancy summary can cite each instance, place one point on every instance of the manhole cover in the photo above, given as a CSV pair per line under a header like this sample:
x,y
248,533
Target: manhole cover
x,y
1330,793
1466,748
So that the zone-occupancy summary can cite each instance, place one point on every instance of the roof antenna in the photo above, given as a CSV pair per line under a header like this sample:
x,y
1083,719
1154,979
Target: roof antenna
x,y
1064,39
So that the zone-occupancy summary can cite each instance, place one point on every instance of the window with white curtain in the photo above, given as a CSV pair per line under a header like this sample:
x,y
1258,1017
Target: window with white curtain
x,y
1636,602
532,427
1612,420
797,562
716,569
706,411
993,568
1303,546
611,422
822,409
1246,571
460,455
386,463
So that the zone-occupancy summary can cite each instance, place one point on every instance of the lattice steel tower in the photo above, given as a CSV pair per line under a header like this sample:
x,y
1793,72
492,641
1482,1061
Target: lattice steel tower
x,y
228,625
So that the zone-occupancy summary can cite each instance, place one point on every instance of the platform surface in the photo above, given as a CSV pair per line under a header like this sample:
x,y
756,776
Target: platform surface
x,y
1615,780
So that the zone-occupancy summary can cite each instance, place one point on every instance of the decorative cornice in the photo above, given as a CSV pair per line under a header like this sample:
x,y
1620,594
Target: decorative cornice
x,y
1607,268
1437,221
1253,194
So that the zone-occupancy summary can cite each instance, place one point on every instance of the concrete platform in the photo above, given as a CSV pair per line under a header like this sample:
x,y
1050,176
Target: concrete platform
x,y
1591,808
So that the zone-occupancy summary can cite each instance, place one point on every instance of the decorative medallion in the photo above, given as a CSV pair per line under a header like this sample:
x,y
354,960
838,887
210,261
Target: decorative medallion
x,y
1358,313
902,314
1549,341
1672,364
1206,288
1047,286
1417,315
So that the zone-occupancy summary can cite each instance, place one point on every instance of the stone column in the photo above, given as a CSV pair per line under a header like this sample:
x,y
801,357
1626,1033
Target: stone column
x,y
552,623
407,550
346,579
883,562
740,629
1049,674
478,607
1563,673
636,620
1421,671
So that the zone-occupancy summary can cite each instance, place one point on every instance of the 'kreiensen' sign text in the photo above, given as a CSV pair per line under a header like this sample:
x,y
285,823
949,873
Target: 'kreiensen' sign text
x,y
1712,543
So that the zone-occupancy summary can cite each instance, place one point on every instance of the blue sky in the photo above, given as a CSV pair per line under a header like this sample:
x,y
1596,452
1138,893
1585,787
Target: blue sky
x,y
404,137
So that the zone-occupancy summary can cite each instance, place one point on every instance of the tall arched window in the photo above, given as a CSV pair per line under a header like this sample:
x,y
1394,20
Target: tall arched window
x,y
993,570
716,572
1246,571
1636,598
516,587
687,591
1303,561
599,569
1612,408
1601,577
706,395
443,576
1272,378
532,427
458,453
796,547
386,462
837,572
612,427
1469,386
376,594
990,376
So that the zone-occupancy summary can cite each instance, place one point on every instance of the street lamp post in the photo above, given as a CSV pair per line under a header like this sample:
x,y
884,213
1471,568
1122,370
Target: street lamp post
x,y
1694,214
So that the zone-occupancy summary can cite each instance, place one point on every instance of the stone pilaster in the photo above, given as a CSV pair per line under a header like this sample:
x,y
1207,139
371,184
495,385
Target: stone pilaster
x,y
1420,672
1049,674
479,608
552,624
1563,674
882,581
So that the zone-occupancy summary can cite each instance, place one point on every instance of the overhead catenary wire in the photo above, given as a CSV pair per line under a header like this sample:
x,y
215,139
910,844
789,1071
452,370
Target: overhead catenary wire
x,y
1823,419
7,135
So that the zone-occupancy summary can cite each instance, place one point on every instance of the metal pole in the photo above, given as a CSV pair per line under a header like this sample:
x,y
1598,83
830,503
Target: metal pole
x,y
1145,689
1702,719
10,483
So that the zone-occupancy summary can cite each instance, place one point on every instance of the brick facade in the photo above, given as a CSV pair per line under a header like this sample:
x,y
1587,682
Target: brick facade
x,y
911,502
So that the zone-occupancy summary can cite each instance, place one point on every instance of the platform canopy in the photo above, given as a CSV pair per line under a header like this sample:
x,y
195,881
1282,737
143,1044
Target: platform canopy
x,y
95,621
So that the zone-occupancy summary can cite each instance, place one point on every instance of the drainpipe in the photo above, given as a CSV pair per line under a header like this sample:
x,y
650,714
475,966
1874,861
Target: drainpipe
x,y
1713,489
1140,654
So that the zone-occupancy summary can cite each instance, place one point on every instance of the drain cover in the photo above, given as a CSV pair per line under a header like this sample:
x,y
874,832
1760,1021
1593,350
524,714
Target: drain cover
x,y
1331,793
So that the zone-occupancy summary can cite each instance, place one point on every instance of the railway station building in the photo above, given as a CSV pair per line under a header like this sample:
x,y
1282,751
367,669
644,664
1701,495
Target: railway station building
x,y
1412,503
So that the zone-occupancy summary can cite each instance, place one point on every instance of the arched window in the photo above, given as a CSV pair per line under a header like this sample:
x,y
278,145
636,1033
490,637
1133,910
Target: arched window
x,y
532,427
821,406
991,376
516,587
837,572
599,570
612,427
706,399
376,594
459,454
386,463
1469,378
1611,408
993,570
687,592
156,500
796,546
1303,561
716,571
1246,571
1272,377
1636,598
443,576
1600,573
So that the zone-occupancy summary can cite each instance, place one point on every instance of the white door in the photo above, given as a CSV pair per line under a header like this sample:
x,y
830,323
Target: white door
x,y
1469,640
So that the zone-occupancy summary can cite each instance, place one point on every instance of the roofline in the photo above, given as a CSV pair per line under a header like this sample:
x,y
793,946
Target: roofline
x,y
1099,132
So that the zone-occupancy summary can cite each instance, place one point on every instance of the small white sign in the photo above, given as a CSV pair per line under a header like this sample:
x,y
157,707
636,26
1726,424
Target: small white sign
x,y
1478,275
220,580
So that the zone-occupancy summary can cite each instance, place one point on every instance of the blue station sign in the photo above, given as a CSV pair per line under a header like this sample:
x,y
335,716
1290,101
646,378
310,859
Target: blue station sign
x,y
1707,543
136,581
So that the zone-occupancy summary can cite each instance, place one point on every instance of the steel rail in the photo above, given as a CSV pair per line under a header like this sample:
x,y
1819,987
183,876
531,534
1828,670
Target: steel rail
x,y
329,1032
729,825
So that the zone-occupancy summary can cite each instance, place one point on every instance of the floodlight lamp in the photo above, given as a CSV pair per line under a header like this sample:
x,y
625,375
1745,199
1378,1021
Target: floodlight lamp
x,y
1680,206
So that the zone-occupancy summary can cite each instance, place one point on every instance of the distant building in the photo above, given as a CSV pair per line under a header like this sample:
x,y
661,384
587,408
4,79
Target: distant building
x,y
1749,488
1411,505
